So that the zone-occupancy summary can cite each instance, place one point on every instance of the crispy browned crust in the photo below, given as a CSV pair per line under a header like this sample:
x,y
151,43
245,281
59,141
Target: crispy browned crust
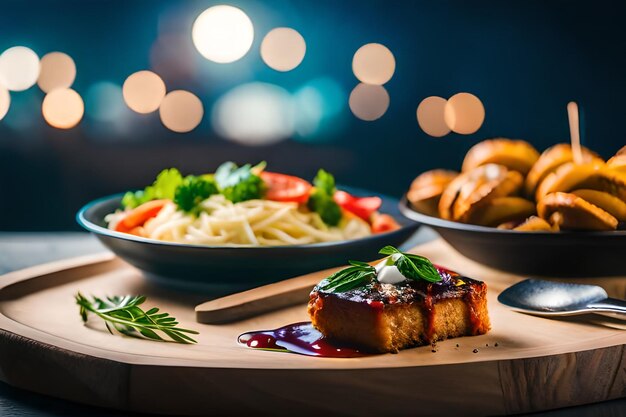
x,y
384,326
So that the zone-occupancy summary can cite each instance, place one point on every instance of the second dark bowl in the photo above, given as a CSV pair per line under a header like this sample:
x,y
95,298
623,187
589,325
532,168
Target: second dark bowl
x,y
562,254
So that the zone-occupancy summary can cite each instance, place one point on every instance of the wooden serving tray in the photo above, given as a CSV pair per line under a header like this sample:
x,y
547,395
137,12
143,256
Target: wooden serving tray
x,y
538,363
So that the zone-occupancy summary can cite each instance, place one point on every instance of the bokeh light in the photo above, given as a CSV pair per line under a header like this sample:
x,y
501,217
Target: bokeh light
x,y
254,114
19,68
223,34
181,111
369,102
373,64
104,102
430,116
464,113
318,107
143,91
283,49
5,101
63,108
57,71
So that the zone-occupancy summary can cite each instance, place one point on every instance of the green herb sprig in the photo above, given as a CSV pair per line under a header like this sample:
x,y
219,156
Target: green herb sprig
x,y
412,266
124,315
359,274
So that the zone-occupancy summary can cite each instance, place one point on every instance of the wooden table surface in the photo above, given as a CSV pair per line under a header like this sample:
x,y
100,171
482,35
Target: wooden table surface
x,y
21,250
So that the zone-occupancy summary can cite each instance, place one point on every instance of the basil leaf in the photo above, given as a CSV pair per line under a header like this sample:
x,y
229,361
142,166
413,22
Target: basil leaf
x,y
413,266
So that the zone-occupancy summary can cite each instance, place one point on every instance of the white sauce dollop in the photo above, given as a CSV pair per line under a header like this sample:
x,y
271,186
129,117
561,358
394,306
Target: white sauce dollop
x,y
387,272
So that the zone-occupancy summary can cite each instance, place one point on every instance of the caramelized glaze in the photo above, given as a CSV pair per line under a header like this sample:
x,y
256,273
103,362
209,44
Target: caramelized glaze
x,y
421,292
303,338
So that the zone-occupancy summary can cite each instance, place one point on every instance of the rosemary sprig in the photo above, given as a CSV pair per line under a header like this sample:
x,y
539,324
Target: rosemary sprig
x,y
412,266
124,315
357,275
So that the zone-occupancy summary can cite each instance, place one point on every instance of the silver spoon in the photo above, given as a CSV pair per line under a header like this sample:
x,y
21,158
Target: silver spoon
x,y
547,298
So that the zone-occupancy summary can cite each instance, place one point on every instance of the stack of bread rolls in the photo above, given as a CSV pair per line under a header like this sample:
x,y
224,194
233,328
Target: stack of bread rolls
x,y
507,184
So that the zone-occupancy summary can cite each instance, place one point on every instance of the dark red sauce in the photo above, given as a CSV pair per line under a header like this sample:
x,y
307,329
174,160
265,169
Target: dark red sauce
x,y
475,319
301,338
429,310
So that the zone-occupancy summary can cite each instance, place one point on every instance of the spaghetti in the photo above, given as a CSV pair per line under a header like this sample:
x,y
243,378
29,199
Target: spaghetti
x,y
248,223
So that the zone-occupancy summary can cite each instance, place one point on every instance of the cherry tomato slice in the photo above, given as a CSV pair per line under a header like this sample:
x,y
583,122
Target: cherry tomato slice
x,y
281,187
363,207
139,215
382,223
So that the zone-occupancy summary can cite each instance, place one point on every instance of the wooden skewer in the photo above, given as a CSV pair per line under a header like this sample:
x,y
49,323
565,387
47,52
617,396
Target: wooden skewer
x,y
574,131
259,300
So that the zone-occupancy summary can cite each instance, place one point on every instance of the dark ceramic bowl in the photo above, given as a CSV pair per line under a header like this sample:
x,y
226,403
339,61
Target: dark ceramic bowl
x,y
219,269
563,254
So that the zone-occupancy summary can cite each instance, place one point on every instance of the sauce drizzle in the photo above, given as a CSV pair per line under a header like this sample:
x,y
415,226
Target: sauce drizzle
x,y
301,338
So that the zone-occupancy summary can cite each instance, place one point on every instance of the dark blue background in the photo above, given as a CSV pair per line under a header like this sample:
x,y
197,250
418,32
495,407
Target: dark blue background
x,y
524,59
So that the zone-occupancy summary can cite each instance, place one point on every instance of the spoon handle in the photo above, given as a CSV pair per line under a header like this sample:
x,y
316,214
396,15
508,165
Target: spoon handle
x,y
612,305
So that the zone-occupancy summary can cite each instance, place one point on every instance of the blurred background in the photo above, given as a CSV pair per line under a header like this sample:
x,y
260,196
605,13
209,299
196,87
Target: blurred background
x,y
337,86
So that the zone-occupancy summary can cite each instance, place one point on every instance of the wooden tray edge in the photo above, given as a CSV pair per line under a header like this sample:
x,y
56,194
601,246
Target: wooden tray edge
x,y
53,267
107,383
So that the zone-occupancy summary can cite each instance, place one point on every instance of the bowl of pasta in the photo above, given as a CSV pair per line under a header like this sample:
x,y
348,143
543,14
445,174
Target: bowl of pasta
x,y
242,226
